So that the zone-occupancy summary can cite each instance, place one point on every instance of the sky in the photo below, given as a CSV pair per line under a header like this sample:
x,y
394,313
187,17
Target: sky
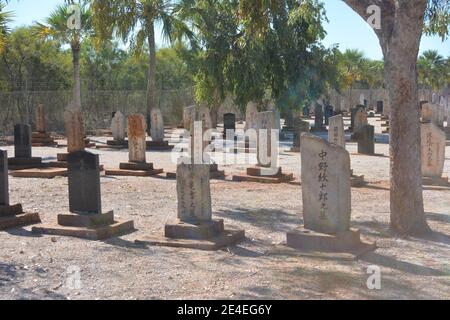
x,y
345,27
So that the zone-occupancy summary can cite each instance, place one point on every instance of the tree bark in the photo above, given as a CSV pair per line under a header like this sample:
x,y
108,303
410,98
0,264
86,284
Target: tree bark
x,y
400,36
151,86
76,103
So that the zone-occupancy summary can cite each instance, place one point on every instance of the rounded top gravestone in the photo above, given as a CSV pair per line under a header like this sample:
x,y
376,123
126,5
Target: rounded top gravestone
x,y
157,125
118,126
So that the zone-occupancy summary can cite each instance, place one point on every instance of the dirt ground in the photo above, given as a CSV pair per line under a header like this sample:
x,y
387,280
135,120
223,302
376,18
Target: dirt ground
x,y
261,267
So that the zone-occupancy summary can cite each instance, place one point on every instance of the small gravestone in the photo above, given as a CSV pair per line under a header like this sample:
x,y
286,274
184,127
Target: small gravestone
x,y
251,116
41,138
433,154
11,216
300,126
157,132
229,125
85,219
318,114
195,228
119,127
326,198
329,112
336,133
366,140
22,150
360,119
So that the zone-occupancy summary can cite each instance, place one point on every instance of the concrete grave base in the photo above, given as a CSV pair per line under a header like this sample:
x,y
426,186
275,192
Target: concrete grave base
x,y
304,239
438,181
91,227
13,216
159,146
204,236
41,173
134,170
214,173
256,174
25,163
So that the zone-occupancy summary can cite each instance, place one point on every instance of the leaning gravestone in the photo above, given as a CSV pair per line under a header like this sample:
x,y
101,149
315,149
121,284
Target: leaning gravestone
x,y
336,133
326,198
195,227
85,219
366,140
23,149
11,216
433,153
300,126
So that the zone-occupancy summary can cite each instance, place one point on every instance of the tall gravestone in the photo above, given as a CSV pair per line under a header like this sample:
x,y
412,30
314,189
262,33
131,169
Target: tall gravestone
x,y
188,117
229,124
336,133
329,111
326,198
360,119
118,126
74,130
40,119
433,151
366,140
4,191
251,116
137,128
380,107
266,140
157,125
318,116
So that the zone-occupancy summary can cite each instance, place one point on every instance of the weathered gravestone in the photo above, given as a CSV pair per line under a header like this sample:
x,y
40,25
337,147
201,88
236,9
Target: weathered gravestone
x,y
188,117
336,134
326,198
318,118
11,216
195,228
229,125
366,140
251,116
41,138
380,107
353,114
360,119
329,112
306,112
137,164
22,149
433,154
74,130
300,126
118,128
157,132
427,112
85,219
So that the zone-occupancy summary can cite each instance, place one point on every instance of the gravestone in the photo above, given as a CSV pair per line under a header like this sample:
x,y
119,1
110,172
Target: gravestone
x,y
251,116
84,183
427,112
300,126
4,191
41,138
40,119
22,141
433,151
118,127
229,124
326,198
74,130
318,114
380,107
336,133
188,117
157,125
353,113
306,112
137,128
329,112
366,140
360,119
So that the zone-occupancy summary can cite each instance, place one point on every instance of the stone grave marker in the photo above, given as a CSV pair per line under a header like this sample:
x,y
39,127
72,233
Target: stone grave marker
x,y
336,134
433,154
300,126
23,149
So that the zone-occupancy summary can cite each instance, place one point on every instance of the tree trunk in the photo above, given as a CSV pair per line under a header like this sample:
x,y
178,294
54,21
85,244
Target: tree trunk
x,y
76,77
151,86
400,35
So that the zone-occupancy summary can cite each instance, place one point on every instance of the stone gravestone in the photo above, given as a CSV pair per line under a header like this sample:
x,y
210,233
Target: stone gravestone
x,y
137,128
118,126
336,134
427,112
267,121
366,140
318,114
300,126
40,119
380,107
353,116
306,112
11,216
84,183
360,119
74,130
251,116
157,125
188,117
326,197
22,141
229,124
329,111
433,151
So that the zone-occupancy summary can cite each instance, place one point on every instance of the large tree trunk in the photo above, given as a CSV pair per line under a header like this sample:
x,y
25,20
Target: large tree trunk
x,y
151,87
76,77
400,37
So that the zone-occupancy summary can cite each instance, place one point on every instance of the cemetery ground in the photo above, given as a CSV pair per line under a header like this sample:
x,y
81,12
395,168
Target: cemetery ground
x,y
261,267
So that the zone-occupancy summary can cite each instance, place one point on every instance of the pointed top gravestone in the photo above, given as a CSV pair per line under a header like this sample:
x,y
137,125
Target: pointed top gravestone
x,y
157,125
84,183
22,141
40,119
118,126
433,150
4,191
194,194
336,134
326,186
137,145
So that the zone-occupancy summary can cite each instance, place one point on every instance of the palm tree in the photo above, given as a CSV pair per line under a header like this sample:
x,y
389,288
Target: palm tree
x,y
56,28
5,18
431,67
134,22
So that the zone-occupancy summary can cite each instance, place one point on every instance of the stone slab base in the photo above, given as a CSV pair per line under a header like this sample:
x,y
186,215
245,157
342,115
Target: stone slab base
x,y
133,173
91,227
138,166
303,239
214,173
284,178
264,172
206,236
41,173
117,143
159,146
13,216
441,181
25,163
